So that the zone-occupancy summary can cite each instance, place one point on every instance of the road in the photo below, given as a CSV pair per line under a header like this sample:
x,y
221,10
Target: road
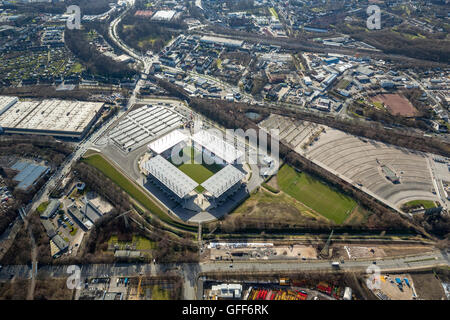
x,y
44,193
190,271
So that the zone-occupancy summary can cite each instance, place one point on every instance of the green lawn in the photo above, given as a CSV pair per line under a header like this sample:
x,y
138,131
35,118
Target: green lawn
x,y
141,243
274,13
160,293
42,207
427,204
133,191
197,172
73,232
315,194
378,105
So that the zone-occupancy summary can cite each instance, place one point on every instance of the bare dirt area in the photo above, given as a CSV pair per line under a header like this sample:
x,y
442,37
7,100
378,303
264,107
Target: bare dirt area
x,y
266,207
273,182
349,252
428,287
358,252
391,290
396,250
396,104
264,253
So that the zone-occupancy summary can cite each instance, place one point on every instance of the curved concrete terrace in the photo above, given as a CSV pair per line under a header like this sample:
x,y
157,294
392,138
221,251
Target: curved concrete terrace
x,y
359,160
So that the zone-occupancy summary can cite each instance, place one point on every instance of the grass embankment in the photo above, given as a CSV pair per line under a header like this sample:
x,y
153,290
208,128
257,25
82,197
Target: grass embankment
x,y
315,194
427,204
41,208
141,243
274,13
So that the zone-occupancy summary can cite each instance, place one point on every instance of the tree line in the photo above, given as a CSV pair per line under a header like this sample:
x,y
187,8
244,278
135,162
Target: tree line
x,y
143,34
95,62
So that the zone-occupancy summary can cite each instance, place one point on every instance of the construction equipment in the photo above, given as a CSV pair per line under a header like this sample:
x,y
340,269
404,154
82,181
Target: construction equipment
x,y
125,218
140,291
325,249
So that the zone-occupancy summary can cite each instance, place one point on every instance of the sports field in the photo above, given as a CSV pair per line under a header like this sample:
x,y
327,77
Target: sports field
x,y
315,194
198,172
133,191
396,104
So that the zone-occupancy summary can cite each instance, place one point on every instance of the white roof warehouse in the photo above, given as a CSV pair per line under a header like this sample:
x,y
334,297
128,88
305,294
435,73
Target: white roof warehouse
x,y
60,118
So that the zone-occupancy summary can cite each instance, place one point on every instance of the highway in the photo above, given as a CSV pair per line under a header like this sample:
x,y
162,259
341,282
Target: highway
x,y
191,271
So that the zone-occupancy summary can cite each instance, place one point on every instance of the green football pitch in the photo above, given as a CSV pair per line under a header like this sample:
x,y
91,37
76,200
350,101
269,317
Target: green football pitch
x,y
315,194
199,172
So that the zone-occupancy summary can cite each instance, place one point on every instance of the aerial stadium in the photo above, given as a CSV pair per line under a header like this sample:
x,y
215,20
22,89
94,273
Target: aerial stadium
x,y
199,171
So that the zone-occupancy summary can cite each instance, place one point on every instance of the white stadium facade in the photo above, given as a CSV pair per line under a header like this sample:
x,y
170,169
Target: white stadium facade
x,y
180,187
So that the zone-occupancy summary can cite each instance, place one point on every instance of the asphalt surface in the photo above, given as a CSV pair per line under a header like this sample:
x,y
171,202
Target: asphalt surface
x,y
191,271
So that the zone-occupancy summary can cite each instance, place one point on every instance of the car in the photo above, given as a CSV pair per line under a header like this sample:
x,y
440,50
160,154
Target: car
x,y
374,262
231,266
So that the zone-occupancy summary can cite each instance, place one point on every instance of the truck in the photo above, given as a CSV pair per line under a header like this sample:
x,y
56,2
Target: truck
x,y
335,264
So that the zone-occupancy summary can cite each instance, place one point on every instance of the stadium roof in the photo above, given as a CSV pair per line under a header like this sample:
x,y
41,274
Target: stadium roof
x,y
223,180
170,176
217,145
167,141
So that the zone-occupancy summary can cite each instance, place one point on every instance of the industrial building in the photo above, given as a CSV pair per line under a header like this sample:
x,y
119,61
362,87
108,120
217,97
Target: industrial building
x,y
144,124
29,174
51,209
91,212
222,185
59,118
222,41
58,246
81,219
227,291
164,15
176,184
